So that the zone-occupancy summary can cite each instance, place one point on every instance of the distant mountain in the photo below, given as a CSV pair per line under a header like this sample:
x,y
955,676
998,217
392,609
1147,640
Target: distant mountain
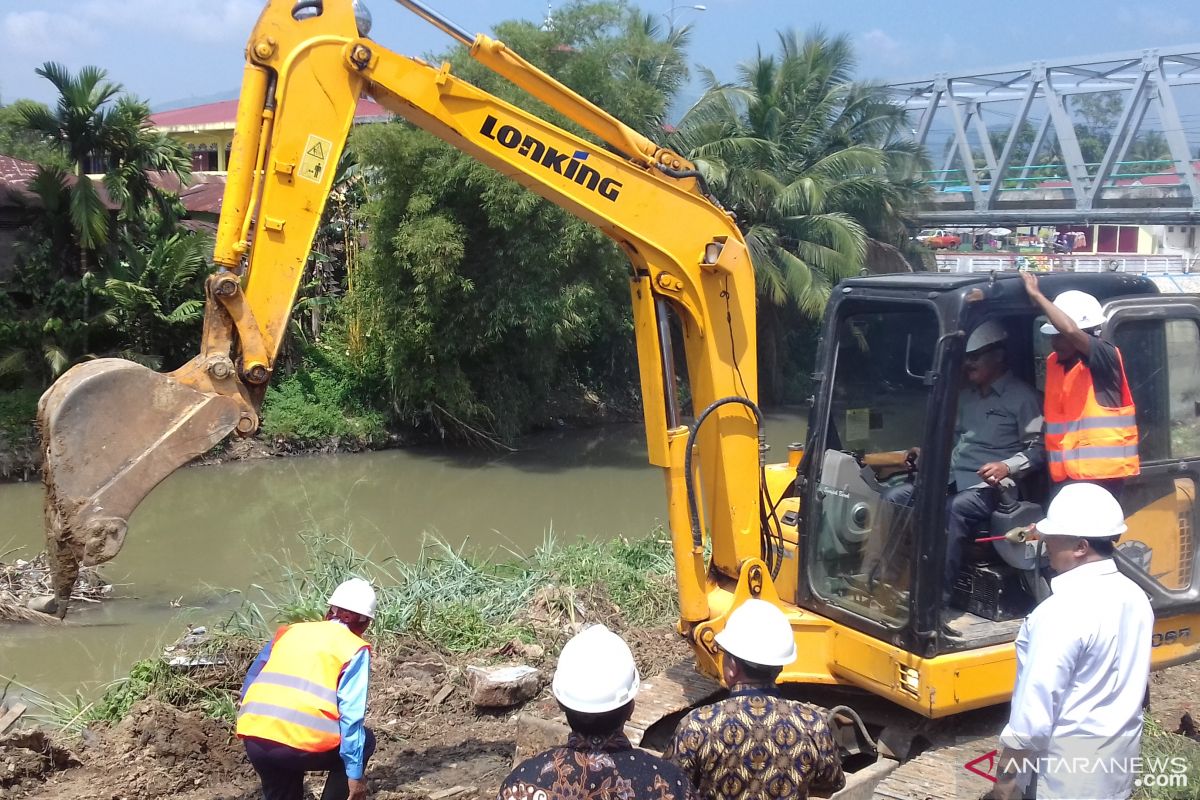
x,y
187,102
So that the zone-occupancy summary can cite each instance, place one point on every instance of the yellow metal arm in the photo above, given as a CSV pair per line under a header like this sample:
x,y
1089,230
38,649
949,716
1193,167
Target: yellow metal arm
x,y
302,83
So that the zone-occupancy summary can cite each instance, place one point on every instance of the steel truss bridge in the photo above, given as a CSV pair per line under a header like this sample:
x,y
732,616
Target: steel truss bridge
x,y
973,184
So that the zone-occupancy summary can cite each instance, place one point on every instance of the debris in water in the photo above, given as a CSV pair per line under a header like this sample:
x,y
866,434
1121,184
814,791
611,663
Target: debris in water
x,y
24,583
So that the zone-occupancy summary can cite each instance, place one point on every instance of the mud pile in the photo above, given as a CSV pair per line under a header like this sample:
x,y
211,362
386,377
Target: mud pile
x,y
157,751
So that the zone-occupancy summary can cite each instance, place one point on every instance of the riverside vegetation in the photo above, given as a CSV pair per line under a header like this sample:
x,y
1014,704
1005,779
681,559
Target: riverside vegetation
x,y
441,299
437,614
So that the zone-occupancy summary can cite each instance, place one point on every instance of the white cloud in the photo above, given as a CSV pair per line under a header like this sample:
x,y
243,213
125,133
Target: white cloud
x,y
877,45
42,33
185,20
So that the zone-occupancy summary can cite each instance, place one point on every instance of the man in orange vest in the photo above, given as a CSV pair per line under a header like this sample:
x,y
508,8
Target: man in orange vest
x,y
1091,426
305,698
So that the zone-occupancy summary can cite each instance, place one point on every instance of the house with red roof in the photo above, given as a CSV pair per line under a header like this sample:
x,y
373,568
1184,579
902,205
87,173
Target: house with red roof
x,y
207,130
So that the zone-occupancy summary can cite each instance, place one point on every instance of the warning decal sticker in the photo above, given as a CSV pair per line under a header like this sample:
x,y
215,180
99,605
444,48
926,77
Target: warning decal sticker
x,y
315,158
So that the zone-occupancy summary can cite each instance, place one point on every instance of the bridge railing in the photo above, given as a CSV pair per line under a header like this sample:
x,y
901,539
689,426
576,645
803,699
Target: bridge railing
x,y
1022,177
1012,262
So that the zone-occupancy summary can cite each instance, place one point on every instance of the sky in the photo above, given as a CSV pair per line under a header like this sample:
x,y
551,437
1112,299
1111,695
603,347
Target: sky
x,y
171,51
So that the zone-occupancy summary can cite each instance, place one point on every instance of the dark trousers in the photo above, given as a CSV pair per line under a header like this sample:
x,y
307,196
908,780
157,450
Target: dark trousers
x,y
1114,486
966,513
282,768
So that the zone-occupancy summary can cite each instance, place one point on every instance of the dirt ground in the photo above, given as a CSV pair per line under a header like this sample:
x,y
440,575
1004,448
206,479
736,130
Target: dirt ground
x,y
430,739
432,742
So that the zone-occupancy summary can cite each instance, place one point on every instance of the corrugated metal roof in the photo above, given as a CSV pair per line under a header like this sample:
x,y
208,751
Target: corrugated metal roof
x,y
203,193
15,177
224,114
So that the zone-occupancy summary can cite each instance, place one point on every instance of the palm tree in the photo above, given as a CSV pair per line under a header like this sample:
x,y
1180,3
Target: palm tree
x,y
155,295
64,308
134,151
90,121
814,167
78,127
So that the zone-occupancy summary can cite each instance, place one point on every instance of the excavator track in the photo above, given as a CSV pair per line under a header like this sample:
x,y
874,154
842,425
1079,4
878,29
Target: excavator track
x,y
941,773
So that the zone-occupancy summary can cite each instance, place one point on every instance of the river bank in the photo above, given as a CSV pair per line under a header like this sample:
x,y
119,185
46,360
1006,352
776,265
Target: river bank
x,y
167,731
21,452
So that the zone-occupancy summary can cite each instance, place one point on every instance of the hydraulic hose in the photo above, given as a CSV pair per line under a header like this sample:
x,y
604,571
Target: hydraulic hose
x,y
692,173
693,508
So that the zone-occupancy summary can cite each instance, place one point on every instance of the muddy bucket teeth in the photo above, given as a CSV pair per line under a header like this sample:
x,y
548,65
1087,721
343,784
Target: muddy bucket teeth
x,y
111,431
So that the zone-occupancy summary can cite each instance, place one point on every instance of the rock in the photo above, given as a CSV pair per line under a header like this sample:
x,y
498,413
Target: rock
x,y
501,687
44,604
533,651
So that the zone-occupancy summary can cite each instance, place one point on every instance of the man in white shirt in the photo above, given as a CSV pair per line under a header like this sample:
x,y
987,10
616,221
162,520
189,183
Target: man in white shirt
x,y
1083,662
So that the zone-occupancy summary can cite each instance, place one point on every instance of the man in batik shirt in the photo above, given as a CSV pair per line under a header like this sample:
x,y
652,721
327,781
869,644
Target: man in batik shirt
x,y
755,744
595,683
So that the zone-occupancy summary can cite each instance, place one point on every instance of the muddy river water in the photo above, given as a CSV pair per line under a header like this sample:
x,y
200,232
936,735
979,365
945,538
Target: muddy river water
x,y
210,535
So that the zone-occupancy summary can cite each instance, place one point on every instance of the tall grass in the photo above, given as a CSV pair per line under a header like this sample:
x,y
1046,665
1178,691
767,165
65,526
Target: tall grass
x,y
458,602
446,599
151,677
1161,746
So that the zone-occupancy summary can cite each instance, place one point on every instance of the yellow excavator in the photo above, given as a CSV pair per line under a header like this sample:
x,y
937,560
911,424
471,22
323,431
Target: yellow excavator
x,y
859,578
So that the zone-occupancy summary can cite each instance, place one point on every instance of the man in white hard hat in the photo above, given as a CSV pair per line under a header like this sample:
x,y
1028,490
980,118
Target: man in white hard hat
x,y
1083,662
595,685
997,433
755,744
305,699
1091,425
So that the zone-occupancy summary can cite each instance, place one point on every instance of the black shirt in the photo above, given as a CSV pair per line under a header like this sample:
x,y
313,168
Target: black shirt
x,y
1104,364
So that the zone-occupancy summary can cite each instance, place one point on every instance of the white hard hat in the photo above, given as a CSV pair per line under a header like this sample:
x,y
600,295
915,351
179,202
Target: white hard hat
x,y
354,595
986,334
596,672
759,633
1084,510
1083,309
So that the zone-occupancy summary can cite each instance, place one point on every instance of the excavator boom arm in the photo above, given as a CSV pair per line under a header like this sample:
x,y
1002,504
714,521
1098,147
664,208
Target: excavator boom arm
x,y
303,80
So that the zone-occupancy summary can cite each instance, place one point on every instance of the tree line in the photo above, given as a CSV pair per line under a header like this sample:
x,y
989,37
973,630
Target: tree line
x,y
441,297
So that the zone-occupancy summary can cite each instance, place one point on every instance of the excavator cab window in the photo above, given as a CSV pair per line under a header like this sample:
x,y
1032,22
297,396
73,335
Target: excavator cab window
x,y
1160,348
862,535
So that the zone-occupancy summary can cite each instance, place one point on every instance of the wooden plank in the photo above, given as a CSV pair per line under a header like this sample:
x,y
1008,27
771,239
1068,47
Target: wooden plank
x,y
11,715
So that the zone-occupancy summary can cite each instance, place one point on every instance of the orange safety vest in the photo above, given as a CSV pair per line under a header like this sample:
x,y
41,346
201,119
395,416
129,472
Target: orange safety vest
x,y
293,700
1085,440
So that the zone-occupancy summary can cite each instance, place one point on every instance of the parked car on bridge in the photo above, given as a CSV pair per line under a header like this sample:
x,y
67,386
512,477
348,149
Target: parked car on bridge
x,y
938,238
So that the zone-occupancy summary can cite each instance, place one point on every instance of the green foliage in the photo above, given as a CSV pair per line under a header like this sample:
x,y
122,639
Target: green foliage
x,y
617,57
478,300
47,321
149,678
1161,747
321,399
813,164
18,141
156,294
91,280
459,603
17,410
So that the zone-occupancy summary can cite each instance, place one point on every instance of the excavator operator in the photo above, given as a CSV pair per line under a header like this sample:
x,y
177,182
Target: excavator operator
x,y
999,417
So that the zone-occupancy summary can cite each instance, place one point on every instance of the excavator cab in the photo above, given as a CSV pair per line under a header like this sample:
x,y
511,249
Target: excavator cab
x,y
873,533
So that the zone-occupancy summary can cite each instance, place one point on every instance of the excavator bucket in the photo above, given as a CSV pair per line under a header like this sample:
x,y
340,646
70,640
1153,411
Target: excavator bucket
x,y
111,430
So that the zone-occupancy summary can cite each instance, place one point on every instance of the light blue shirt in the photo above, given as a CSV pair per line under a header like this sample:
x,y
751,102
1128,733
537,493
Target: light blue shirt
x,y
998,424
352,705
